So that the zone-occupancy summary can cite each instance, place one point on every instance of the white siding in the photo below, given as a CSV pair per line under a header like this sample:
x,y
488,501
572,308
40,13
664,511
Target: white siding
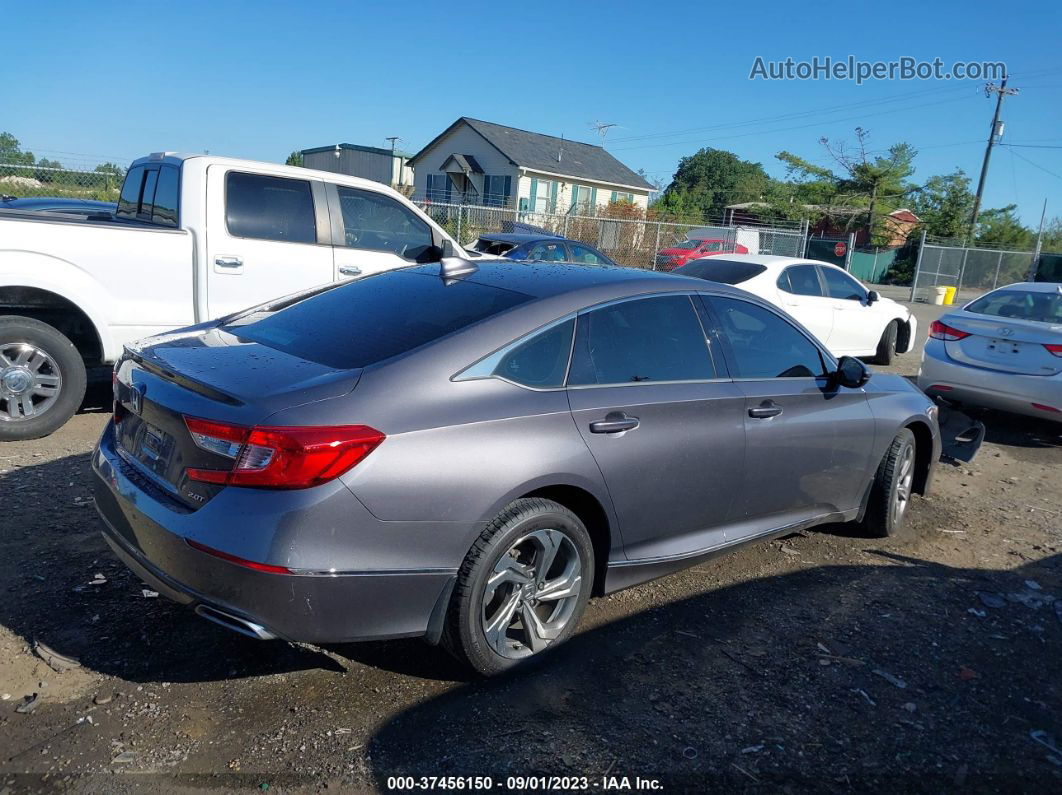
x,y
564,191
462,140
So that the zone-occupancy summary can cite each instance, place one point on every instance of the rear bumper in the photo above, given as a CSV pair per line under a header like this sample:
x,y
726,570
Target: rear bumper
x,y
312,605
976,386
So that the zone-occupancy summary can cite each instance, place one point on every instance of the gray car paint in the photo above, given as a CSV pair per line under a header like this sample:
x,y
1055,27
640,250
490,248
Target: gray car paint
x,y
378,548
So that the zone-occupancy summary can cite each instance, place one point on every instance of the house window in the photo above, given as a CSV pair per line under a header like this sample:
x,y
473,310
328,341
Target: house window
x,y
545,190
618,196
496,190
582,199
438,188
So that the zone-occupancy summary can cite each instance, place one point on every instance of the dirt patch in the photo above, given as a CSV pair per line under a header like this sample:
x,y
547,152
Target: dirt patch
x,y
823,661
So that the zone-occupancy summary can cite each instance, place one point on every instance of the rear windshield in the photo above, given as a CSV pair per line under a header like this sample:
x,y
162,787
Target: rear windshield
x,y
1020,305
372,319
721,270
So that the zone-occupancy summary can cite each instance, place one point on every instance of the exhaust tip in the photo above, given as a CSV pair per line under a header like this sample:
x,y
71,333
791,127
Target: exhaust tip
x,y
235,623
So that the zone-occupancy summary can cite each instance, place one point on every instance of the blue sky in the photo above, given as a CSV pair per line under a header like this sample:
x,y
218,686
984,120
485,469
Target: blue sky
x,y
84,82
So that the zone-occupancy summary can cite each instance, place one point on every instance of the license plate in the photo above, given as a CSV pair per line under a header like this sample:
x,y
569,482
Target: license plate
x,y
154,446
1004,347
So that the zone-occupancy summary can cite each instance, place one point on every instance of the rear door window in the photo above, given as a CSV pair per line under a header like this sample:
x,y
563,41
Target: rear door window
x,y
763,345
586,255
548,252
377,223
801,280
645,340
269,208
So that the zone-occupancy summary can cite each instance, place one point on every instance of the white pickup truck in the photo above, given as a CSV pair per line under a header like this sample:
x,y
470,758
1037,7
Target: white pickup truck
x,y
194,238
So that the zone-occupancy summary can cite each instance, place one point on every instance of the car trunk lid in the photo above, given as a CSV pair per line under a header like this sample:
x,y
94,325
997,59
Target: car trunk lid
x,y
209,375
1005,344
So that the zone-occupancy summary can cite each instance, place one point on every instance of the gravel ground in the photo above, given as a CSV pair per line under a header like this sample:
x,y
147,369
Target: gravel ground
x,y
823,661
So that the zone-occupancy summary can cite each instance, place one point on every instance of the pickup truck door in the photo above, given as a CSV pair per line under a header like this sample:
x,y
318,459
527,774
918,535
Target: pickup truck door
x,y
373,232
267,237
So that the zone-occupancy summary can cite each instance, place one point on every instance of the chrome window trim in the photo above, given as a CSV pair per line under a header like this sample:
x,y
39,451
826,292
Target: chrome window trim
x,y
468,374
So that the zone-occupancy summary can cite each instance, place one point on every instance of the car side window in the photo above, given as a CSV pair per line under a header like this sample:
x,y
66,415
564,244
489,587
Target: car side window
x,y
269,208
584,254
763,344
539,360
645,340
800,280
548,252
712,246
840,285
375,222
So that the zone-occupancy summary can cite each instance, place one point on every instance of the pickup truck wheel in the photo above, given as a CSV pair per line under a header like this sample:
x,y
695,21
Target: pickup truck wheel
x,y
887,345
890,494
522,587
42,379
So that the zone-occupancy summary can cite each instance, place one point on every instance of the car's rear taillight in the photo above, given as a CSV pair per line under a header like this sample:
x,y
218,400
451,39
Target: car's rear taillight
x,y
942,331
280,457
1054,350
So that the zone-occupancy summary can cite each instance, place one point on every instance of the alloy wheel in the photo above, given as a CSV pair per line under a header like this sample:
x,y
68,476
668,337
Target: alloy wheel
x,y
30,381
531,593
903,483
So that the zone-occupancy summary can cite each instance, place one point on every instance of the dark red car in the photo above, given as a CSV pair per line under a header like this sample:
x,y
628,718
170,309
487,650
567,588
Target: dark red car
x,y
670,258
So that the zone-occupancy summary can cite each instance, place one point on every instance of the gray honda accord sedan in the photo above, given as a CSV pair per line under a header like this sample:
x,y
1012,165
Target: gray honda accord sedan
x,y
469,458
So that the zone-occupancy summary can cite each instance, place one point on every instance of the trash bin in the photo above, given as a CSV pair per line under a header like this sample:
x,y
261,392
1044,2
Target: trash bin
x,y
949,295
938,299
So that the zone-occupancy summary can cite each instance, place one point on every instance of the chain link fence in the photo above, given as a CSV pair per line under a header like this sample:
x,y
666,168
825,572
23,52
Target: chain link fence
x,y
971,270
24,181
633,242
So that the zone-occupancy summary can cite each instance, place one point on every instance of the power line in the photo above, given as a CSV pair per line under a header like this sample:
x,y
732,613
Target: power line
x,y
788,129
1037,165
793,115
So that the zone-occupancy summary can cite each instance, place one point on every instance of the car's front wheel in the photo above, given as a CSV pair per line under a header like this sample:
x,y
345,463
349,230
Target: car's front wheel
x,y
891,491
887,344
522,588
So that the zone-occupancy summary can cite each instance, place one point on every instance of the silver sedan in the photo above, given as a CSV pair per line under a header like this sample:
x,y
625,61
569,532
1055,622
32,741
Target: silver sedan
x,y
1001,351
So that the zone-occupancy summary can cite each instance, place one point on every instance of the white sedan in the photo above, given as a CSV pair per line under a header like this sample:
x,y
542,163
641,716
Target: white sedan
x,y
850,319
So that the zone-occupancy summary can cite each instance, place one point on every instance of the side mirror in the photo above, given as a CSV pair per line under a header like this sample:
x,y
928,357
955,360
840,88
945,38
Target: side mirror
x,y
851,372
872,296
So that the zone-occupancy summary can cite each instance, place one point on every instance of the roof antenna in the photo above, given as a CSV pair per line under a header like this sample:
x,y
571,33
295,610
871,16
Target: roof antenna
x,y
602,129
451,266
560,152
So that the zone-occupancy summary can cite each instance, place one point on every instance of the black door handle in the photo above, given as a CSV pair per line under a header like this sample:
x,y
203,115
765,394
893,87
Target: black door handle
x,y
766,409
614,423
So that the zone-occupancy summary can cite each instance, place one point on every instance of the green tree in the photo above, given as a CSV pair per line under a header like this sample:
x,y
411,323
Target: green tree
x,y
11,151
1001,227
46,170
944,204
113,175
1052,241
294,159
707,181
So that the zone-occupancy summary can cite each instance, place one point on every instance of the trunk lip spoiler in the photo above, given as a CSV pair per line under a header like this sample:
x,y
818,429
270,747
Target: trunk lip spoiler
x,y
157,367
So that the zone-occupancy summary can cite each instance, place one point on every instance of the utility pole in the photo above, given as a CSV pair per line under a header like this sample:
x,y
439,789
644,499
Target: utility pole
x,y
1034,265
1000,91
392,139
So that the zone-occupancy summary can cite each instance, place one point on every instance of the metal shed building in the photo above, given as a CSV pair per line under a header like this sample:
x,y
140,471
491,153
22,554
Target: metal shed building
x,y
368,162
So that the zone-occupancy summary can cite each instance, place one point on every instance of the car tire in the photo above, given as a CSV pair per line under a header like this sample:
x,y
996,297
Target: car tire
x,y
42,379
886,352
891,491
505,611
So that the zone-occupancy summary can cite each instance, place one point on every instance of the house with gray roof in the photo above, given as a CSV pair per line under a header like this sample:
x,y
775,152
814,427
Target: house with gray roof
x,y
479,162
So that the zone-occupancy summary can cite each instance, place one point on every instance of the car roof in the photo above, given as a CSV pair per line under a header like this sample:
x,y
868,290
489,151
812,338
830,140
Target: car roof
x,y
517,237
545,280
1033,287
771,261
59,201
